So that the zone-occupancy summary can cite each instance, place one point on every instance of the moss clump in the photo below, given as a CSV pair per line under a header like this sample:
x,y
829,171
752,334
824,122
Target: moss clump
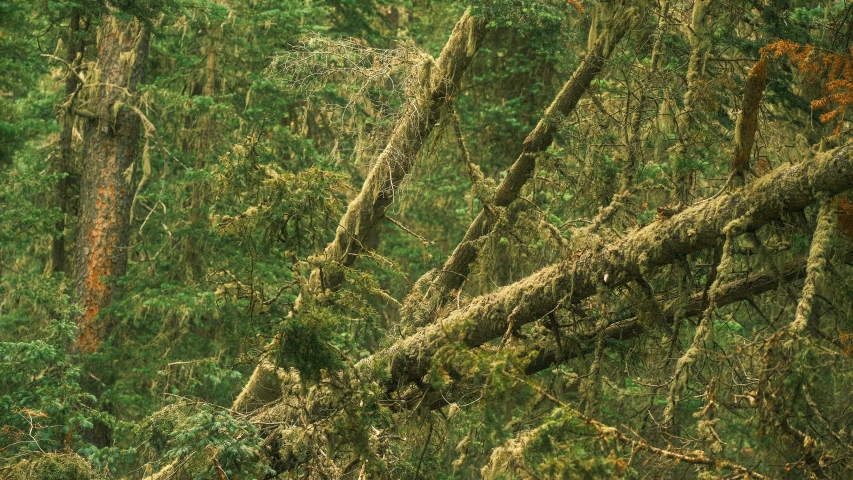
x,y
51,466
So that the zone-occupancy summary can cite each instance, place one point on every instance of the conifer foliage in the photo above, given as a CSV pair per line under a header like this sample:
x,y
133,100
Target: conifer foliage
x,y
360,239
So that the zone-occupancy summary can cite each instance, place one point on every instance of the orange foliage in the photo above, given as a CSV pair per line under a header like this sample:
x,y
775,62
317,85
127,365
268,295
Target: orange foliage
x,y
577,5
845,217
845,340
834,69
34,413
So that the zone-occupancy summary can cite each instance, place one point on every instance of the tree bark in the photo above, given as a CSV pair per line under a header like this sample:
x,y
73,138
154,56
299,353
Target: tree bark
x,y
747,121
73,48
110,149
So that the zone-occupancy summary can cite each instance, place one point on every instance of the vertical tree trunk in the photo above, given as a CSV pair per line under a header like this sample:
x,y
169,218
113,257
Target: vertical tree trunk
x,y
73,46
194,250
697,35
110,149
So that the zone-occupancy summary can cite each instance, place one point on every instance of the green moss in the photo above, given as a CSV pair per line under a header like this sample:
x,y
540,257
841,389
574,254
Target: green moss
x,y
52,466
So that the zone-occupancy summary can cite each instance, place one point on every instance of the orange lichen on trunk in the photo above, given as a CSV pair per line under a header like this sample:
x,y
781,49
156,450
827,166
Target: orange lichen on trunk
x,y
100,265
110,149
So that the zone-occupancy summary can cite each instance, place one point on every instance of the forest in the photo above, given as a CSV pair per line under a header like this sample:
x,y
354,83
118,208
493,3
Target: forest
x,y
426,239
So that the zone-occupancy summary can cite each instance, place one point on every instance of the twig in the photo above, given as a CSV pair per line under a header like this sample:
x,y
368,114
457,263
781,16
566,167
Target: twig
x,y
403,227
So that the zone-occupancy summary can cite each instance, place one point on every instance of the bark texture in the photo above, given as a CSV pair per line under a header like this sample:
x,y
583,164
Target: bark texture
x,y
747,121
110,149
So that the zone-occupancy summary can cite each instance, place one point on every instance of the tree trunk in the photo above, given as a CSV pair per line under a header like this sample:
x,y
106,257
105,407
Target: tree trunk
x,y
73,47
458,265
747,121
365,213
789,188
110,149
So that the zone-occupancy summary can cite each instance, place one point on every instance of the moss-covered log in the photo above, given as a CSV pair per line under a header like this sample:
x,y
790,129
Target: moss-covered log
x,y
789,188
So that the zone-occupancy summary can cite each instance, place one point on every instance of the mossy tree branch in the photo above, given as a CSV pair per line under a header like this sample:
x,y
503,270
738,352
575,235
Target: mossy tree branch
x,y
789,188
458,265
365,213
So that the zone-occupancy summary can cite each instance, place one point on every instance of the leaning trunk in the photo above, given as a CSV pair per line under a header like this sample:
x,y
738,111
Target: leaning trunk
x,y
364,215
458,265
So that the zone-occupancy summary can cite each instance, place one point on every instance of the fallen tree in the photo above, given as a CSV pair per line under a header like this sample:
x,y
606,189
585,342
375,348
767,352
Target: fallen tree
x,y
457,267
366,211
790,188
704,225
